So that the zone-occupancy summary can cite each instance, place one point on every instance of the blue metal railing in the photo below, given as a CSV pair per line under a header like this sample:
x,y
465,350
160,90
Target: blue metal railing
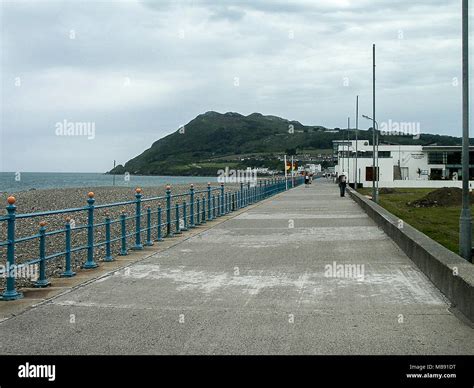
x,y
202,206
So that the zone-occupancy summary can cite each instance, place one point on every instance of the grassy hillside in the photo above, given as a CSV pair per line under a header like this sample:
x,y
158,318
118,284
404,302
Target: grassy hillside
x,y
213,140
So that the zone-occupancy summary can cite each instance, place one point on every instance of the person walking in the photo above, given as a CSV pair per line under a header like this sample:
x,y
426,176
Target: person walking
x,y
306,179
342,184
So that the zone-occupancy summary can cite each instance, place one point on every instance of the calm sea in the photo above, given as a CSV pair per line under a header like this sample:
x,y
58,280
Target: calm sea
x,y
12,182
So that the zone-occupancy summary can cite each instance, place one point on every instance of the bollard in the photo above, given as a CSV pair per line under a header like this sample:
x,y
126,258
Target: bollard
x,y
10,292
42,281
203,217
149,241
158,226
68,272
209,210
123,223
185,218
90,263
178,231
168,211
108,250
191,207
138,217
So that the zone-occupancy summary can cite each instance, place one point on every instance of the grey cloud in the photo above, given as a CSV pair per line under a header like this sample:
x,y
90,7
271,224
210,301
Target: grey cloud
x,y
141,69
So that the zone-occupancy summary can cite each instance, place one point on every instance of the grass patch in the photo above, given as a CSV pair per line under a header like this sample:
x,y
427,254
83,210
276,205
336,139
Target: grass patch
x,y
439,223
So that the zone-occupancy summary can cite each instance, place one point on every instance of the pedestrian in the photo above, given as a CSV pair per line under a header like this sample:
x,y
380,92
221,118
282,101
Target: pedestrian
x,y
342,184
306,179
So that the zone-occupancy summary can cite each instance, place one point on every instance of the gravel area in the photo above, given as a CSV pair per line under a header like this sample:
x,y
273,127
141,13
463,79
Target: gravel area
x,y
56,199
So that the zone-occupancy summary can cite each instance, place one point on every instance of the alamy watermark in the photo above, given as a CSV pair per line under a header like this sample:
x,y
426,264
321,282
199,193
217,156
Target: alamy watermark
x,y
347,271
37,371
19,271
75,128
237,176
400,128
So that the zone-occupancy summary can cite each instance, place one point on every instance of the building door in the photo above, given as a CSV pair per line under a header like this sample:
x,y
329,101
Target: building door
x,y
369,173
436,174
404,171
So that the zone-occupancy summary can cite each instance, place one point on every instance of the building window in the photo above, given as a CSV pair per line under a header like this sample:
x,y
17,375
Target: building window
x,y
435,158
454,157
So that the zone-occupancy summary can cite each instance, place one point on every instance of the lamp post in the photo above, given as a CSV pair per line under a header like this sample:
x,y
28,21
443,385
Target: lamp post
x,y
375,163
465,219
348,149
356,131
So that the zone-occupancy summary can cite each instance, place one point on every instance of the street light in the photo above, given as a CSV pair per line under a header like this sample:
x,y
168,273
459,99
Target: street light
x,y
348,148
465,219
356,130
375,160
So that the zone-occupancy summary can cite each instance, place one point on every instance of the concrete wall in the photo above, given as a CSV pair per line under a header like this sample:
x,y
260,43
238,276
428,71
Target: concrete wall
x,y
451,274
418,184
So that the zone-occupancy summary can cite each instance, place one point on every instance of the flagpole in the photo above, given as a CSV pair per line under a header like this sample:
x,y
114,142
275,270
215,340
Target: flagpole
x,y
292,171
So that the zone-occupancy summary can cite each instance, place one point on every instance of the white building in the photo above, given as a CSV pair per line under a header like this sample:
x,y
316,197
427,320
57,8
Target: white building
x,y
401,165
313,168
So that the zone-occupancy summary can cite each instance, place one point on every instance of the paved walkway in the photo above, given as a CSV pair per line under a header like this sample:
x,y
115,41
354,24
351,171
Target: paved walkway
x,y
256,284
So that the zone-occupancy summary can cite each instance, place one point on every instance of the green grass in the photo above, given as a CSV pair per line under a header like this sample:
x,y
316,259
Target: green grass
x,y
439,223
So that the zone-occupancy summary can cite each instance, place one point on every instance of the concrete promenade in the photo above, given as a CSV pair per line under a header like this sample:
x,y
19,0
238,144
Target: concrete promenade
x,y
258,283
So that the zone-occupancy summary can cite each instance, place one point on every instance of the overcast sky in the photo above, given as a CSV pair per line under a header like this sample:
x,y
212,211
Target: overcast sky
x,y
138,70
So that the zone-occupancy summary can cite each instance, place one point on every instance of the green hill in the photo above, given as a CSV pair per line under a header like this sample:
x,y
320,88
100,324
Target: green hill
x,y
213,140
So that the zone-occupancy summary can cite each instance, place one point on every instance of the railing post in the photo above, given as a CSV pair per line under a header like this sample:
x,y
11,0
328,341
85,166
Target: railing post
x,y
233,202
168,211
149,241
185,218
218,205
191,207
241,194
158,226
214,206
227,203
42,281
203,218
90,263
177,226
138,217
123,227
222,198
198,214
68,271
249,193
108,250
209,209
10,292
